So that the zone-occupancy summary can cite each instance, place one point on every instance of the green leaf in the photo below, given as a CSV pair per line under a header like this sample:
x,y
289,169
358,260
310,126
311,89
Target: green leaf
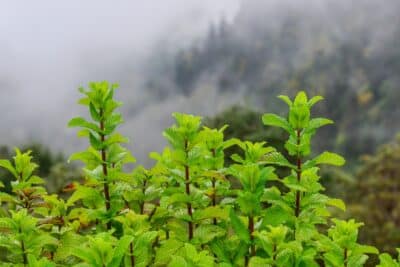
x,y
330,158
87,255
337,203
166,250
314,100
259,262
230,142
364,249
34,179
275,216
90,157
277,121
95,142
81,122
301,98
385,260
276,158
286,99
357,260
178,261
93,112
239,227
86,193
208,232
210,212
116,138
8,166
119,250
317,123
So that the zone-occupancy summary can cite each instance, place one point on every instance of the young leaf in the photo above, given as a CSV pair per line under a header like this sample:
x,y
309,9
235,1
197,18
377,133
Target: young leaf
x,y
277,121
239,227
329,158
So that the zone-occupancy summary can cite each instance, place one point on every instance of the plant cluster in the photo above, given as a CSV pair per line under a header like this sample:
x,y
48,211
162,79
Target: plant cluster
x,y
183,211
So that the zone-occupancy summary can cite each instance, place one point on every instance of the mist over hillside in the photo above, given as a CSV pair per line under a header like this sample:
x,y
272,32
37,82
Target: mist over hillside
x,y
347,52
49,49
202,59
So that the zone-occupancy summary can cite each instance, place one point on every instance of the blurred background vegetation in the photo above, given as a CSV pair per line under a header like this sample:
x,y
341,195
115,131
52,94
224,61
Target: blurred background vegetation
x,y
347,52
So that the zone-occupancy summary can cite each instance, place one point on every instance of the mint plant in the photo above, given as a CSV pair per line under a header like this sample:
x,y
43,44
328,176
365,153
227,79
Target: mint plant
x,y
341,245
105,157
22,239
26,185
252,177
218,186
184,166
189,209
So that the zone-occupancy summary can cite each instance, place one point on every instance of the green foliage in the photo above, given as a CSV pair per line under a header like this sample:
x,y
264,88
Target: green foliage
x,y
387,261
375,197
244,124
183,211
341,247
50,165
105,157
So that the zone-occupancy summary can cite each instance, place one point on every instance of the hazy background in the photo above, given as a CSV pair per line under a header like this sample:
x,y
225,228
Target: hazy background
x,y
50,48
199,57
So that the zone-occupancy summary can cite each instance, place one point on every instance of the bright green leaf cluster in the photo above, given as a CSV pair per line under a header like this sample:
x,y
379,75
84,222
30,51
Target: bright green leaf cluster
x,y
191,208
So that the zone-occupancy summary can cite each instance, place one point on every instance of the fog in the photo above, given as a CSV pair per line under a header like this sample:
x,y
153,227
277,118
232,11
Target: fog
x,y
50,48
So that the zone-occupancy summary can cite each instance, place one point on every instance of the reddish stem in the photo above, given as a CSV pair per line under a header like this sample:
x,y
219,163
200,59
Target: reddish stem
x,y
105,171
298,171
187,187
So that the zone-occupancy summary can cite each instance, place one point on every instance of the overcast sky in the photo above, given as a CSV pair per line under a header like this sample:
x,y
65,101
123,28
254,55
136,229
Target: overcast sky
x,y
48,48
49,41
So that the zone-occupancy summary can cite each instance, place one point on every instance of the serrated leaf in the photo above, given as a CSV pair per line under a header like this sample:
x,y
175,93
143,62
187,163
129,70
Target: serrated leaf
x,y
95,142
277,121
210,212
338,203
314,100
207,232
166,250
259,262
8,166
178,261
317,123
119,250
93,112
286,99
239,227
385,260
81,122
365,249
276,158
329,158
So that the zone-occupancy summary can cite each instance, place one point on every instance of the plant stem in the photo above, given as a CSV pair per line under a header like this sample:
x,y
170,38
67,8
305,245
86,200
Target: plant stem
x,y
105,171
214,194
274,254
24,257
189,205
187,185
298,171
131,252
345,257
143,191
251,230
214,199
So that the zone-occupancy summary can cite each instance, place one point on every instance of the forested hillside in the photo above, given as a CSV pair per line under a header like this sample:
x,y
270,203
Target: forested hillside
x,y
347,53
